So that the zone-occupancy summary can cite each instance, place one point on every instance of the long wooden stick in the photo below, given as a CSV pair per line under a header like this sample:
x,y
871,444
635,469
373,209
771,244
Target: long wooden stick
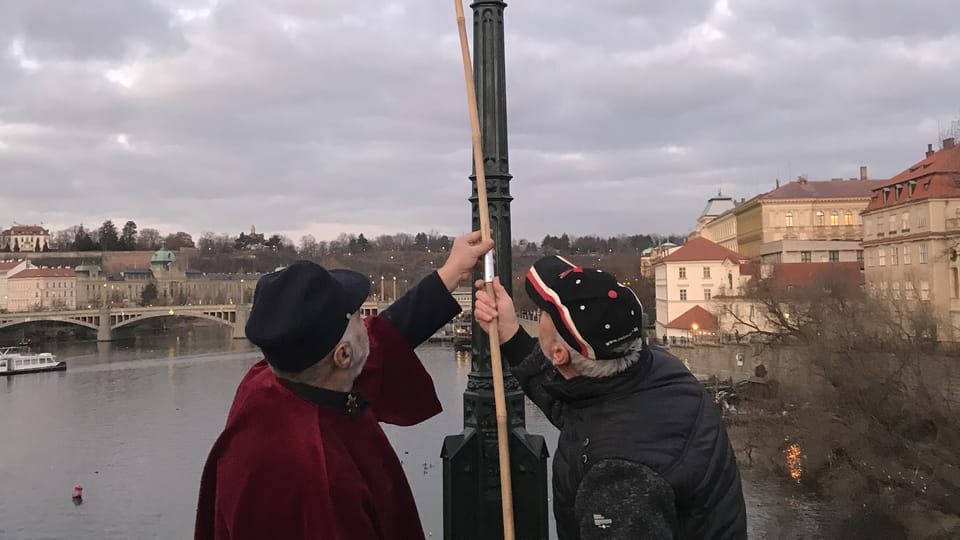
x,y
506,487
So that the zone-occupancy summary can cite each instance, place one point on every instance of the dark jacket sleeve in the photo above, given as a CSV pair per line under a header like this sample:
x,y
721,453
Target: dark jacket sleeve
x,y
531,369
621,500
423,310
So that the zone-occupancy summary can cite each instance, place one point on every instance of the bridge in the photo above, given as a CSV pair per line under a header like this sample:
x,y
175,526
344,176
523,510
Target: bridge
x,y
106,320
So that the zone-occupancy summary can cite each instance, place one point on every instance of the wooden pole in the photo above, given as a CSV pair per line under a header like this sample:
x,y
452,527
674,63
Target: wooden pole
x,y
506,491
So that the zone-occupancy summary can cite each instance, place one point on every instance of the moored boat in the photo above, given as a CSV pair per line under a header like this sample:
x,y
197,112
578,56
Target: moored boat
x,y
18,360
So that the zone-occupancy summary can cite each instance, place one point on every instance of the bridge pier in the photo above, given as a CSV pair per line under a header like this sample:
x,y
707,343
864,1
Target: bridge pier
x,y
239,327
104,333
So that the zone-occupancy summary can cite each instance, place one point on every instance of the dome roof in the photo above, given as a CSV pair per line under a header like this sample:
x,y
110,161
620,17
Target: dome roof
x,y
163,256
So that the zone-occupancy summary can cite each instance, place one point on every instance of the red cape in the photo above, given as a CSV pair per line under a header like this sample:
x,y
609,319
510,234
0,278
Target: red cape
x,y
289,469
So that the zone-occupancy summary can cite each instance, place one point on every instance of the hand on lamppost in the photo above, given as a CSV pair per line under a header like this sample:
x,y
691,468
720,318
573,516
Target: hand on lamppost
x,y
467,251
486,308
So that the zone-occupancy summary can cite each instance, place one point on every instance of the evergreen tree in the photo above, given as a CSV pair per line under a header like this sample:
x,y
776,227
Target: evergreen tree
x,y
128,237
109,238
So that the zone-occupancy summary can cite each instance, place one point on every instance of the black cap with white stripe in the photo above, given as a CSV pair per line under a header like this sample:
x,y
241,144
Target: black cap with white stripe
x,y
594,313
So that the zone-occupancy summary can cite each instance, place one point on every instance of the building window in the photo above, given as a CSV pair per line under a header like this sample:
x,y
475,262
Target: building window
x,y
895,289
819,218
893,224
925,290
834,218
921,220
906,254
883,289
882,255
908,290
683,294
893,255
859,255
923,254
848,218
706,294
905,222
789,219
804,256
954,283
706,272
834,256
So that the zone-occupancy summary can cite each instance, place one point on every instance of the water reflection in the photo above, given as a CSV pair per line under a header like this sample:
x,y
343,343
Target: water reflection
x,y
794,461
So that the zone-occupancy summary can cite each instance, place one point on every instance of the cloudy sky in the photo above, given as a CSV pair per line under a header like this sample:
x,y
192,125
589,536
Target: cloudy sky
x,y
325,116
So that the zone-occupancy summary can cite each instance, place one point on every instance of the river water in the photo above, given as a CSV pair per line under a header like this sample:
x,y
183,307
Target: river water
x,y
133,422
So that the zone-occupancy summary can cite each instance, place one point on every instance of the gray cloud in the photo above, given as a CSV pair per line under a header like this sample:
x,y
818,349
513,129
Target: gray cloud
x,y
302,116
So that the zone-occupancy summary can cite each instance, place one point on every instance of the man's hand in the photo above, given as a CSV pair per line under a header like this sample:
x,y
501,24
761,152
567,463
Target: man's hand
x,y
466,252
485,309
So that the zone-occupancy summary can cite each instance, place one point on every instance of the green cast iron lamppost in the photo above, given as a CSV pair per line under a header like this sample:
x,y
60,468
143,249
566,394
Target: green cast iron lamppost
x,y
471,481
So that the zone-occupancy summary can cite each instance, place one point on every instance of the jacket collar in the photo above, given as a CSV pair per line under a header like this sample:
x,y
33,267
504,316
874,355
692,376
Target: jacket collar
x,y
585,391
351,403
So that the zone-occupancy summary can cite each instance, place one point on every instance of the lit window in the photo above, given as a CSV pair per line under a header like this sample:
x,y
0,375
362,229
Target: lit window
x,y
789,219
848,218
819,218
834,219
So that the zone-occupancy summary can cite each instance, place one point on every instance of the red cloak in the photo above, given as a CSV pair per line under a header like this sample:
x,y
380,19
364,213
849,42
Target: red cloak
x,y
287,468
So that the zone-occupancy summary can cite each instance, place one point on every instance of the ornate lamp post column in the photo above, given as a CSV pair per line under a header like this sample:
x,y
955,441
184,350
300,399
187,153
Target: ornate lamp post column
x,y
471,481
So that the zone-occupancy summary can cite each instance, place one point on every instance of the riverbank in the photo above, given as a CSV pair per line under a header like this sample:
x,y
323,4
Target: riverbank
x,y
872,490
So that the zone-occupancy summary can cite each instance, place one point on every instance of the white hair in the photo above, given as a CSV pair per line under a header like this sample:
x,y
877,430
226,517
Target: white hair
x,y
631,353
319,371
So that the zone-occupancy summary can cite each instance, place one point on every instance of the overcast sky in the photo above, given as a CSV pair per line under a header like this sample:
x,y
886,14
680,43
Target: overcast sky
x,y
328,116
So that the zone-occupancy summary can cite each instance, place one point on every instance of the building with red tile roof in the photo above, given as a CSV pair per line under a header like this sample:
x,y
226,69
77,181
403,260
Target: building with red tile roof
x,y
824,211
24,238
688,279
912,234
35,289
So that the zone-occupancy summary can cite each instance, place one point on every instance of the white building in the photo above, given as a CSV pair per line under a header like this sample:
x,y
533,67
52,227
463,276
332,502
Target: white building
x,y
25,238
687,280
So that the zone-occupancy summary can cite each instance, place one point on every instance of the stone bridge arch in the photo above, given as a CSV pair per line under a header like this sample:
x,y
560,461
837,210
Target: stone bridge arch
x,y
92,324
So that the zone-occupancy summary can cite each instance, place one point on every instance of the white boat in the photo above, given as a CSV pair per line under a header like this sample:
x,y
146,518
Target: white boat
x,y
17,360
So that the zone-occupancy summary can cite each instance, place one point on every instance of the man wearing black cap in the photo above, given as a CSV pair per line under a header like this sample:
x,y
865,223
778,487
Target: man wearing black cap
x,y
642,451
303,455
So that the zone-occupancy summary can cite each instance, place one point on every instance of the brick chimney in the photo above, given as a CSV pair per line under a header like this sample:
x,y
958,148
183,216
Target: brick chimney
x,y
863,172
948,143
930,151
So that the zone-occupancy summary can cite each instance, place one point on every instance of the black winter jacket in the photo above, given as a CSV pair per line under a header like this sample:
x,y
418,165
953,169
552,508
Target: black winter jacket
x,y
641,454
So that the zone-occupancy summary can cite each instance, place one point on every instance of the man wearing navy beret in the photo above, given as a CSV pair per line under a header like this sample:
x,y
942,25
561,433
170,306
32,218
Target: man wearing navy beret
x,y
642,451
303,455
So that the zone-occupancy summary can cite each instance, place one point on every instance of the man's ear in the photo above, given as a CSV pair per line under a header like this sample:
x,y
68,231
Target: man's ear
x,y
343,355
559,354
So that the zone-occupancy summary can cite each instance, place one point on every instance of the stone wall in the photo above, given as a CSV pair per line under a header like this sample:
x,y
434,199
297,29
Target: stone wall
x,y
800,378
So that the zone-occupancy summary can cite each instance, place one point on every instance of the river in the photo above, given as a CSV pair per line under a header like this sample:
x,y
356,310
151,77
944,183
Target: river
x,y
133,421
